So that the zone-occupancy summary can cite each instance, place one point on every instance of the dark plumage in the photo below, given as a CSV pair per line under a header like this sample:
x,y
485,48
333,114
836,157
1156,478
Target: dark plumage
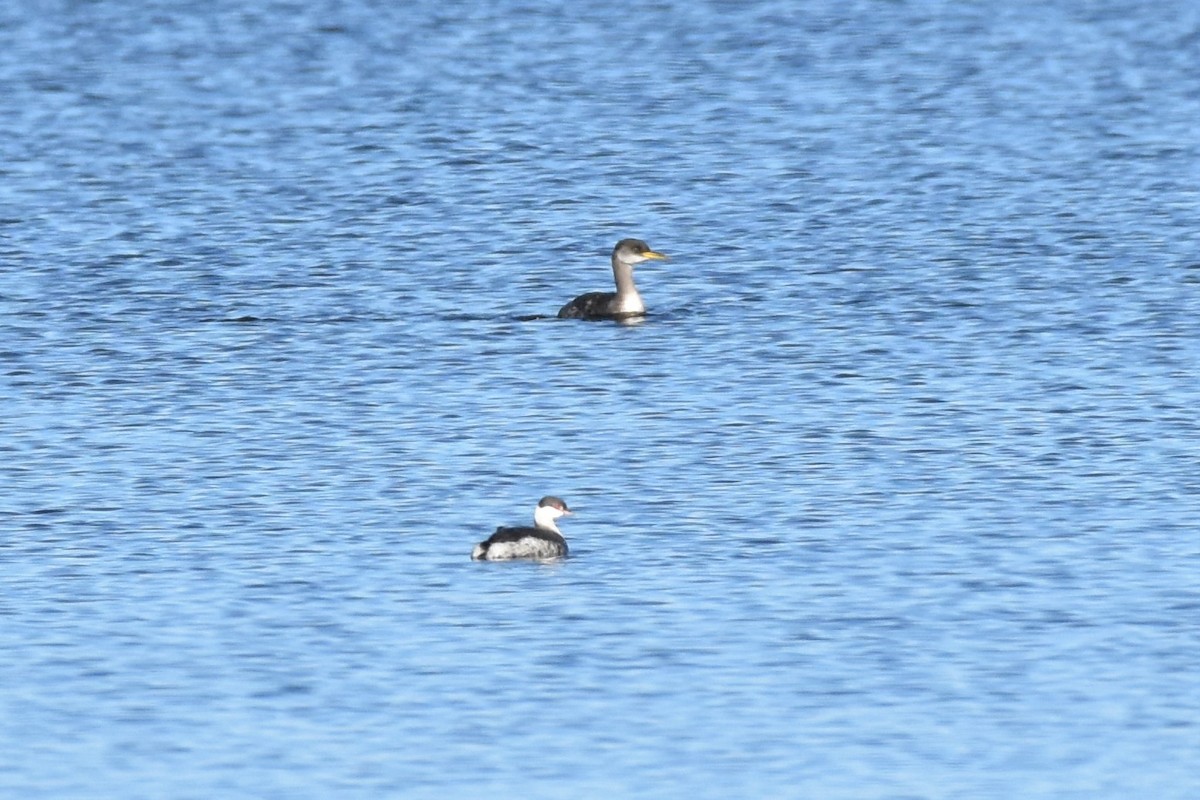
x,y
593,305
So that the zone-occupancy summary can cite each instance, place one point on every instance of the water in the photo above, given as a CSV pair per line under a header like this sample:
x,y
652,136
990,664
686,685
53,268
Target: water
x,y
894,495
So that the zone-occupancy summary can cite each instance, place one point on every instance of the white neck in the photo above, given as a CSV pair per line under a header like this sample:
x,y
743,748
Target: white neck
x,y
628,299
630,303
544,516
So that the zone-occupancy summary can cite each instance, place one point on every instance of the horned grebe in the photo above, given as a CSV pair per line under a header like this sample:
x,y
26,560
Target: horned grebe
x,y
623,303
543,540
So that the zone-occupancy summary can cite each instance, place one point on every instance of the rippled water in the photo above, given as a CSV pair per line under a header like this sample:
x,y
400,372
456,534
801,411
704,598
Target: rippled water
x,y
894,494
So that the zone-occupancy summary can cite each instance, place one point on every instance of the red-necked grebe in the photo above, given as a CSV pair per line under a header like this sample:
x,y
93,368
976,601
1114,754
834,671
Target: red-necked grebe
x,y
623,303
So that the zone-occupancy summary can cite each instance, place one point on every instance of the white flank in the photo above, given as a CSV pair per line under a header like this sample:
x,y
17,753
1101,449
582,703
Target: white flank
x,y
529,547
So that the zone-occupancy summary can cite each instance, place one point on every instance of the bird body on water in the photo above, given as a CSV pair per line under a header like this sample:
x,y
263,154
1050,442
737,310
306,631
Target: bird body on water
x,y
543,540
623,303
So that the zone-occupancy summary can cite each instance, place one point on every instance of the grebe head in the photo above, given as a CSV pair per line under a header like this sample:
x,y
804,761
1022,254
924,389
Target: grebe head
x,y
635,251
548,509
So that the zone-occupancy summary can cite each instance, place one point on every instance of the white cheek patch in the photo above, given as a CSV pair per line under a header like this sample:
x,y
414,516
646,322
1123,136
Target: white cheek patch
x,y
544,516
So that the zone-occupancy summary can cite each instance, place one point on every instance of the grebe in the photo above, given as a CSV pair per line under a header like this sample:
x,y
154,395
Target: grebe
x,y
623,303
543,540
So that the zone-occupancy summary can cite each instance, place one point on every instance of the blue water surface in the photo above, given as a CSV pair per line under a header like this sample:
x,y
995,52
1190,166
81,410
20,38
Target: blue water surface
x,y
894,494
